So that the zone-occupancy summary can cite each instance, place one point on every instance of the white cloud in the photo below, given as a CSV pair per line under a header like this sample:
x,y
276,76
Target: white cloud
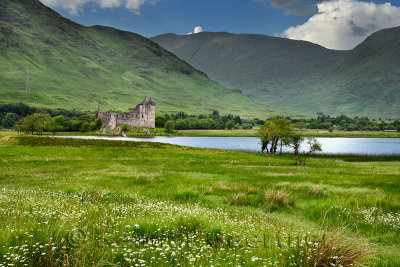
x,y
109,3
343,24
75,7
198,29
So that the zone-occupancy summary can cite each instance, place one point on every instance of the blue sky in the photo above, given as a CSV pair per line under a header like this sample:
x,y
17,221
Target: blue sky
x,y
288,18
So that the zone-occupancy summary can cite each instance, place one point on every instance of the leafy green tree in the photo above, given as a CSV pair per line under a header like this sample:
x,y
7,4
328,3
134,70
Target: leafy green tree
x,y
313,146
230,124
35,123
180,125
85,127
276,132
18,125
161,119
295,143
96,125
215,114
9,120
247,126
263,133
53,127
75,125
285,132
169,126
60,121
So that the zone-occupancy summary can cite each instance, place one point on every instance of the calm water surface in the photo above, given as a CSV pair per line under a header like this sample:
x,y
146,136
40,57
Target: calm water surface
x,y
367,146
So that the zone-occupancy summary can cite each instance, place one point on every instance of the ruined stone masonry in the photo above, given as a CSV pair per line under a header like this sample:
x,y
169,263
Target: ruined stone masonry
x,y
143,116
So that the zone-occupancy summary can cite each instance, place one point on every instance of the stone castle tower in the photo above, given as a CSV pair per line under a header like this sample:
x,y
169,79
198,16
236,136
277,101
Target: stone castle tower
x,y
143,116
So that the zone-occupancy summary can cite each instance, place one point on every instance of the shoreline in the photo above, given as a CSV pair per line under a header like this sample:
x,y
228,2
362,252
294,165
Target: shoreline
x,y
247,133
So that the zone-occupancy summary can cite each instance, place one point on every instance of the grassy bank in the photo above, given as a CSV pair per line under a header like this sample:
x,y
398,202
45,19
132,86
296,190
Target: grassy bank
x,y
239,133
307,133
85,202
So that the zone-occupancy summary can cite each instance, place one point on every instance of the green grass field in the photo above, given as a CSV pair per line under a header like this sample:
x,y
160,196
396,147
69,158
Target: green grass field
x,y
92,202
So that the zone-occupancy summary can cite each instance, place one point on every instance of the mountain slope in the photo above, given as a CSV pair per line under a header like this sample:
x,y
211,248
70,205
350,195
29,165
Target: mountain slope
x,y
257,64
300,76
366,81
73,66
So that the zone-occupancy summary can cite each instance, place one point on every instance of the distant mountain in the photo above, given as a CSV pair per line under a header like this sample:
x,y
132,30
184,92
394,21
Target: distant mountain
x,y
300,76
73,66
366,81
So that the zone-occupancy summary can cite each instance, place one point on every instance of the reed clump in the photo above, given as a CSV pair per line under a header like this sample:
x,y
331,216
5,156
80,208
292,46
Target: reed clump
x,y
277,198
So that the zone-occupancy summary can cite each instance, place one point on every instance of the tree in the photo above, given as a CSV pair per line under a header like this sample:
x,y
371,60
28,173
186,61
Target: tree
x,y
18,125
85,127
285,132
162,119
180,125
169,126
247,126
60,121
275,132
53,127
9,120
215,114
313,146
230,124
35,123
295,143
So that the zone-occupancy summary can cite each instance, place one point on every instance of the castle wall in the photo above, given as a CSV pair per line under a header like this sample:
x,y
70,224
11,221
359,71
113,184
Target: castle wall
x,y
143,116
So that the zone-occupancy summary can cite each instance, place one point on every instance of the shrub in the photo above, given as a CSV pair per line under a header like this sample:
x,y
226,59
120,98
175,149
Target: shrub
x,y
315,190
85,127
243,199
277,199
124,127
247,126
230,124
169,126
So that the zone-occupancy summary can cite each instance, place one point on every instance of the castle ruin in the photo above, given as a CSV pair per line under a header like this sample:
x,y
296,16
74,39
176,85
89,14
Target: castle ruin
x,y
143,116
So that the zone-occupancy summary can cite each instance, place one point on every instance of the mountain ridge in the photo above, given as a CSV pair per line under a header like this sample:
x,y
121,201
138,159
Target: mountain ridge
x,y
73,66
302,77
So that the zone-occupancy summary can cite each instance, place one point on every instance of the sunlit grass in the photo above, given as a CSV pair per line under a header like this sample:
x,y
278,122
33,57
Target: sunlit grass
x,y
106,202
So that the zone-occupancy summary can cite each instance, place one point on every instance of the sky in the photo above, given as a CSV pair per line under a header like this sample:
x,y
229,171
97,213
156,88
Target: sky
x,y
335,24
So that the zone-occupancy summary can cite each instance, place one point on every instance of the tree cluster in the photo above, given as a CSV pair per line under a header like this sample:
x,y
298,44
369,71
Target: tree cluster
x,y
277,133
212,121
345,123
37,123
12,113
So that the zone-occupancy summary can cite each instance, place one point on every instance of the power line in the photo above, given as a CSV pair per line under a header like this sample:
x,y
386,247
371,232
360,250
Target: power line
x,y
28,88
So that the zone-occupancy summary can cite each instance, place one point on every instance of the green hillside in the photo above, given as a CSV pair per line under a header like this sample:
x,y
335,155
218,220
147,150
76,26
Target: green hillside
x,y
366,81
299,76
257,64
73,66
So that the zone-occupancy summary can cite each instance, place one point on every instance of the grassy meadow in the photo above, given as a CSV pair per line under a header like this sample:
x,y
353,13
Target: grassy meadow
x,y
94,202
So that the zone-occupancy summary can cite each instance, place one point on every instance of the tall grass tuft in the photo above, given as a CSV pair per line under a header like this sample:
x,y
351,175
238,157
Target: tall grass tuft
x,y
340,250
277,198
